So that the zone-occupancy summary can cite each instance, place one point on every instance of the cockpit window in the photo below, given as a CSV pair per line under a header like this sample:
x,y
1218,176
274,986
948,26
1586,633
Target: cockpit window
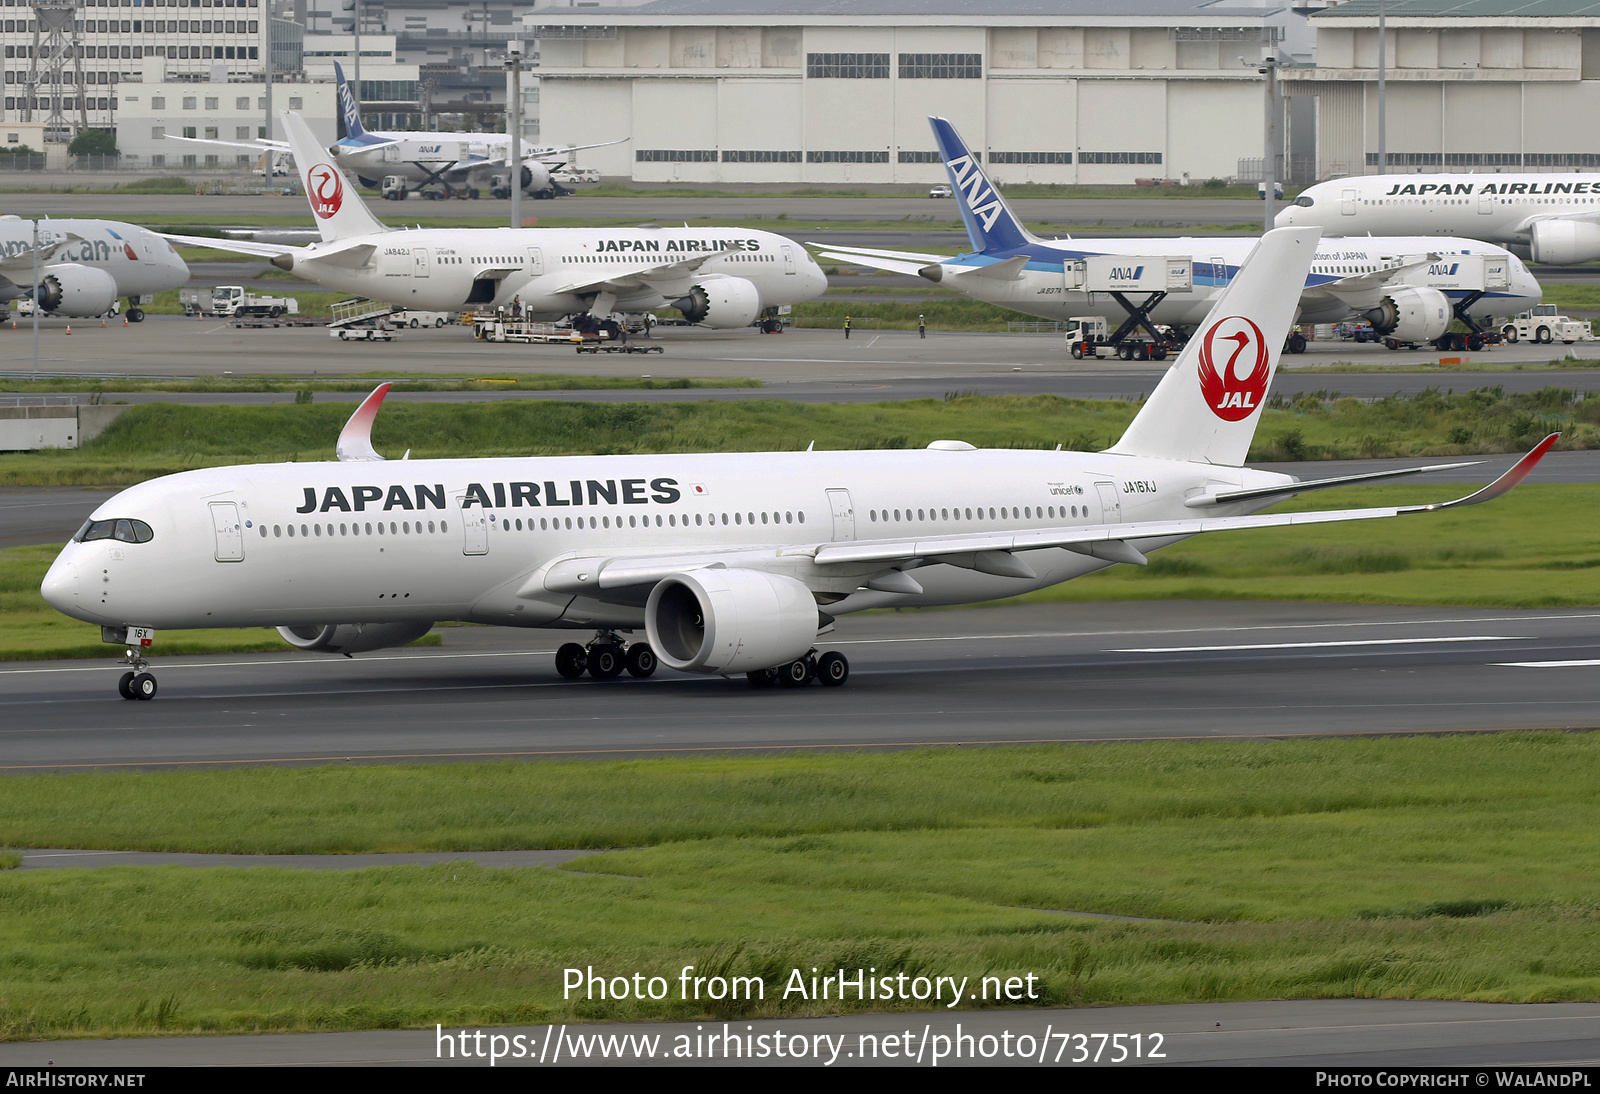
x,y
1305,201
126,531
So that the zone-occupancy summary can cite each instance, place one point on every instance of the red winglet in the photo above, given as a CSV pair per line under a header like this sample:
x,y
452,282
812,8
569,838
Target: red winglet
x,y
1503,485
355,440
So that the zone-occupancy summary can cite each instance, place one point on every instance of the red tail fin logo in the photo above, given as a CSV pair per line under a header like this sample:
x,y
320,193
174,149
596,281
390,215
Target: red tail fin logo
x,y
327,190
1233,396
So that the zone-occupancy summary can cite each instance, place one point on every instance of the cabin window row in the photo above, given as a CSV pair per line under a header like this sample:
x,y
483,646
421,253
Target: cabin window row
x,y
393,528
672,520
1026,512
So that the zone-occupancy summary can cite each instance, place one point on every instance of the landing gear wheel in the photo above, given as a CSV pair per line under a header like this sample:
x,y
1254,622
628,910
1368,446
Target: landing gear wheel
x,y
762,678
1159,353
1077,351
1474,342
1509,333
832,669
641,660
1296,343
136,315
571,660
795,674
143,686
605,662
125,686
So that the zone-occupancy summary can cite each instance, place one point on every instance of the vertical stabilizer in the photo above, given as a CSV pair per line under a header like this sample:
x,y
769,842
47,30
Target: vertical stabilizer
x,y
1207,406
991,225
349,110
339,211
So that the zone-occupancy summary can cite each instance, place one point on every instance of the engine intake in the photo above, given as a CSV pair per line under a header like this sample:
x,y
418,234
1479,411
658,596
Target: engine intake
x,y
1411,315
719,621
350,638
77,291
721,302
1564,242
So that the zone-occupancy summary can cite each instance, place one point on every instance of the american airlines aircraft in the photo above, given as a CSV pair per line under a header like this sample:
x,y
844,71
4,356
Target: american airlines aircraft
x,y
459,162
1409,288
1549,218
718,277
729,563
84,265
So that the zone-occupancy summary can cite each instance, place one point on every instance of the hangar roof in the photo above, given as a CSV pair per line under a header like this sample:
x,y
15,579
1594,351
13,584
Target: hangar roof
x,y
1462,9
968,10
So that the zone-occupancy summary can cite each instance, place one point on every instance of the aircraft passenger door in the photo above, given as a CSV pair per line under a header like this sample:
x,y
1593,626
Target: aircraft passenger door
x,y
788,259
535,261
1110,503
230,535
1219,268
419,262
474,528
1485,204
844,515
1347,203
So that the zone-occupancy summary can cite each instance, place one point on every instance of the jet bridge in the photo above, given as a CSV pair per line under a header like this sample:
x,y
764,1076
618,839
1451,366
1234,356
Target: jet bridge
x,y
1155,276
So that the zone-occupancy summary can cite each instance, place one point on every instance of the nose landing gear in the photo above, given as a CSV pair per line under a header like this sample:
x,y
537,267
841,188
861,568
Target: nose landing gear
x,y
137,684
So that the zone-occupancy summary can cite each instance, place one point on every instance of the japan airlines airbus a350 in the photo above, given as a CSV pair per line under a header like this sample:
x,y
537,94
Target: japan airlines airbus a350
x,y
718,277
729,563
1408,288
1551,218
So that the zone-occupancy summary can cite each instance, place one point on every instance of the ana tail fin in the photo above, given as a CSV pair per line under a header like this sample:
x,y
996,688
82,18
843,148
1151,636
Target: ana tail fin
x,y
991,225
1207,406
340,213
349,110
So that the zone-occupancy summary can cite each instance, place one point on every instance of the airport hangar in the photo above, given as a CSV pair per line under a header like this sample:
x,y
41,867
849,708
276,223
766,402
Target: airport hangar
x,y
1066,91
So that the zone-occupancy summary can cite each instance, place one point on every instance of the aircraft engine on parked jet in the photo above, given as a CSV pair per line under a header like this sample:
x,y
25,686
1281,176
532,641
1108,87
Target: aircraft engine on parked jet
x,y
721,302
77,291
1564,242
348,638
1411,315
720,621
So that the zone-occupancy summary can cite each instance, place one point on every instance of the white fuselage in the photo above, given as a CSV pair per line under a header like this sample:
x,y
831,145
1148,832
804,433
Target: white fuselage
x,y
1497,208
557,271
300,544
1041,291
137,259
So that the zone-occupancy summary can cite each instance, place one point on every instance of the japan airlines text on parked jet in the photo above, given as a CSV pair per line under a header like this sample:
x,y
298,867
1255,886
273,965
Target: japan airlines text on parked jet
x,y
730,563
1409,289
456,161
84,265
1549,218
718,277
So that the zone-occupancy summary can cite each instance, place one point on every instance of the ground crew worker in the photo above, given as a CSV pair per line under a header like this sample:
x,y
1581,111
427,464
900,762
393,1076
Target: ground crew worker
x,y
847,328
922,327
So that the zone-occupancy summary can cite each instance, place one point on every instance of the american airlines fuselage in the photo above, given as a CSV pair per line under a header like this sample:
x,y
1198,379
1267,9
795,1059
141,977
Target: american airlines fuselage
x,y
444,269
1551,218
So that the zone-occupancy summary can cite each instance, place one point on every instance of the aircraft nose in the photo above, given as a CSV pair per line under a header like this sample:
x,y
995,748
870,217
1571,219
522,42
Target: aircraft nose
x,y
60,585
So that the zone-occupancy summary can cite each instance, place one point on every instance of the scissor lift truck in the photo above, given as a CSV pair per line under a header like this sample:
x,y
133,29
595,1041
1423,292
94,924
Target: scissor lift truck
x,y
1118,276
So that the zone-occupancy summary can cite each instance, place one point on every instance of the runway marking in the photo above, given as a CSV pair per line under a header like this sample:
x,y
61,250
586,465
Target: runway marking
x,y
1322,645
1546,664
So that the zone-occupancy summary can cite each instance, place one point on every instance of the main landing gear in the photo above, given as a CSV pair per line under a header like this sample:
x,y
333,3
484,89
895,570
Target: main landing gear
x,y
605,658
137,683
830,670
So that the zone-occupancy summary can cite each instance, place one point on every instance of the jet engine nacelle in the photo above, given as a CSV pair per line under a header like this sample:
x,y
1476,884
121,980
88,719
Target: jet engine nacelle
x,y
726,621
722,302
535,177
73,290
1564,242
353,637
1411,315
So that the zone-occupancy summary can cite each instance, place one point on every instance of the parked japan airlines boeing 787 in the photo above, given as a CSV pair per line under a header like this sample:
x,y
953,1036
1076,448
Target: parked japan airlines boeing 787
x,y
1409,288
718,277
1551,218
729,563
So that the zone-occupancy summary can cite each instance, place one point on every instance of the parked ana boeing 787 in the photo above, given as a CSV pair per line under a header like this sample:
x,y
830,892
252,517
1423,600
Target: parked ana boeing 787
x,y
729,563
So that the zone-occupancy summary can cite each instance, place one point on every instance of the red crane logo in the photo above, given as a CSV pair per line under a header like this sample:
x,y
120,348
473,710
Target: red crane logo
x,y
1231,396
327,190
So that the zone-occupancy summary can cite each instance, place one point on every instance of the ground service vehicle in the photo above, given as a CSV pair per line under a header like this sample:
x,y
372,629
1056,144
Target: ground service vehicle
x,y
1542,324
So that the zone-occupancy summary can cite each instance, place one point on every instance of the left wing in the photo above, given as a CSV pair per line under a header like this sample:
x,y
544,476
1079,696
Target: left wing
x,y
1361,291
987,552
22,261
910,263
254,146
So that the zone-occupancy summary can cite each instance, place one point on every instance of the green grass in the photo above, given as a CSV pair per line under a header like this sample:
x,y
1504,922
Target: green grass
x,y
158,439
1424,867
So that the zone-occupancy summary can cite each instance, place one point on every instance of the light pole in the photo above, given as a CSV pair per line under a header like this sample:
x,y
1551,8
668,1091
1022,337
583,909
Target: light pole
x,y
1269,160
514,130
1383,91
36,300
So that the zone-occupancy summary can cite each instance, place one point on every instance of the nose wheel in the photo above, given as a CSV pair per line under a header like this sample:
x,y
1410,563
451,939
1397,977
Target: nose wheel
x,y
137,684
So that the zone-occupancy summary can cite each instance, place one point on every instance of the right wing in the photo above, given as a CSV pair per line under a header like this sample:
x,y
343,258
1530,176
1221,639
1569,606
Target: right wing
x,y
238,246
910,263
254,146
